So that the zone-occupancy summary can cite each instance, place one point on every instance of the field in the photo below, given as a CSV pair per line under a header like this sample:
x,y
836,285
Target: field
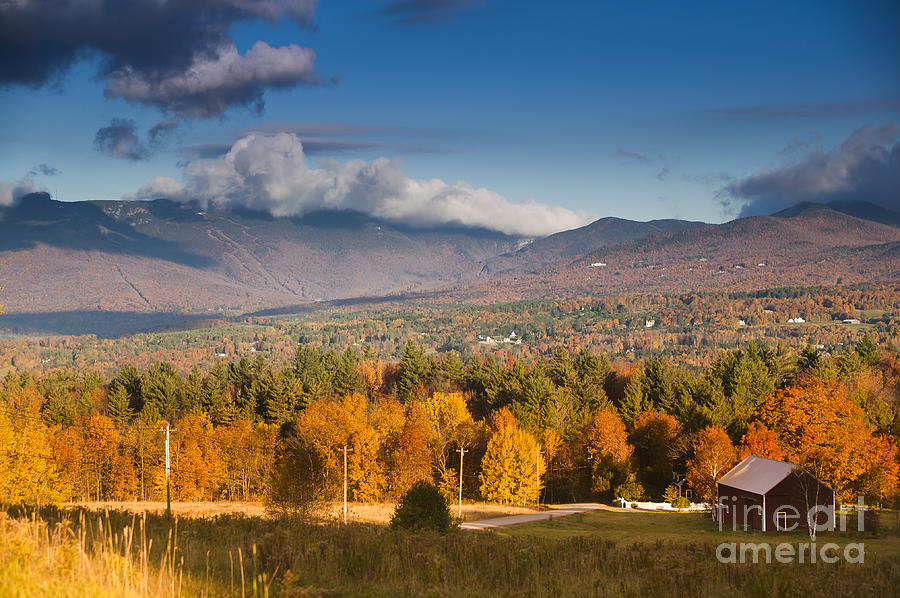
x,y
77,552
378,513
645,527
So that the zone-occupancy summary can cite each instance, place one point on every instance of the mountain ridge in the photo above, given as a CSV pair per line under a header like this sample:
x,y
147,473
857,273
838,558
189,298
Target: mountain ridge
x,y
165,257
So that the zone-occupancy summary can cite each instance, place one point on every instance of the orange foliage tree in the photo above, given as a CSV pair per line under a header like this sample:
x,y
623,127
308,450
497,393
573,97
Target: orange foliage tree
x,y
410,458
610,453
760,441
824,432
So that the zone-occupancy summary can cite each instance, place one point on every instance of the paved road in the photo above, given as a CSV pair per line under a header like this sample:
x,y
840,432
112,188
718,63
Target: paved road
x,y
558,511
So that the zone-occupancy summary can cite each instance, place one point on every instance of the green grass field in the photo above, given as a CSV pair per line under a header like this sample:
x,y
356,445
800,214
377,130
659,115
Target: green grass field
x,y
645,527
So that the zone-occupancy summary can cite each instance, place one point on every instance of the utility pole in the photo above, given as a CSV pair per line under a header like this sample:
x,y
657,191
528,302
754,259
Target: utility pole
x,y
345,483
461,452
168,487
537,464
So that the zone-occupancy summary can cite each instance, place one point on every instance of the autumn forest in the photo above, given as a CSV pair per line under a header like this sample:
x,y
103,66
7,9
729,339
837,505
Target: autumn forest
x,y
582,426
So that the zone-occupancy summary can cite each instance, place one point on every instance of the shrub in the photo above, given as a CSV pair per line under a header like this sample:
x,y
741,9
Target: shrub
x,y
423,507
631,490
681,502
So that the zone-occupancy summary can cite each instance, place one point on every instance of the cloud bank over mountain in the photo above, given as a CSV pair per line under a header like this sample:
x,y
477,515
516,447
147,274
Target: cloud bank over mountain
x,y
12,191
270,173
865,167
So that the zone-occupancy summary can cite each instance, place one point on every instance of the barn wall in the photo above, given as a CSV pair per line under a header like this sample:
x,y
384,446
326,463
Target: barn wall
x,y
791,490
741,512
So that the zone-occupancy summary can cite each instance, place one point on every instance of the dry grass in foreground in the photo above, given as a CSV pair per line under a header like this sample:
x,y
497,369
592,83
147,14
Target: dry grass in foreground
x,y
79,553
378,513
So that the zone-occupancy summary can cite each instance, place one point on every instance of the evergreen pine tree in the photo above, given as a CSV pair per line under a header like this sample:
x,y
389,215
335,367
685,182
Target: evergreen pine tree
x,y
414,370
868,351
118,405
633,402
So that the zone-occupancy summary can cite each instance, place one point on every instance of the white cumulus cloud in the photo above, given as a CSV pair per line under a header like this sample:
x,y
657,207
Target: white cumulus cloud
x,y
12,191
270,173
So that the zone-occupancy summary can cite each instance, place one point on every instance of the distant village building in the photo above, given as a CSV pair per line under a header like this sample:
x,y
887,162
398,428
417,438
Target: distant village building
x,y
797,320
742,322
513,338
769,495
598,265
851,321
649,323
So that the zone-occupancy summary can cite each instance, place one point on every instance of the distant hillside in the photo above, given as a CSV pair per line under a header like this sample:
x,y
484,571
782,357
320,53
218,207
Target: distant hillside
x,y
860,209
163,256
601,233
112,267
813,244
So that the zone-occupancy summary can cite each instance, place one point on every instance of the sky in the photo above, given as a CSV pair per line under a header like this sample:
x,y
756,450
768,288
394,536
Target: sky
x,y
519,116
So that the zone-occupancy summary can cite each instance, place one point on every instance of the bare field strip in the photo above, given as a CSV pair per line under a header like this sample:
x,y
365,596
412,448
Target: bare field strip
x,y
378,513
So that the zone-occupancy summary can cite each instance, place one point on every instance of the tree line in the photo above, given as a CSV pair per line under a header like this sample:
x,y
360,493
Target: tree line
x,y
567,426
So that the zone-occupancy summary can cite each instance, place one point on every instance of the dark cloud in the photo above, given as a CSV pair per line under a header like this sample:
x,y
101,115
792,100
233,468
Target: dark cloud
x,y
865,167
426,11
311,147
325,129
709,179
120,140
632,155
807,110
175,54
43,169
799,144
214,83
663,174
324,138
162,131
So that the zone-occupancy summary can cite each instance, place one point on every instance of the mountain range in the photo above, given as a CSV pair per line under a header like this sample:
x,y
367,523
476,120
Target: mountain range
x,y
64,260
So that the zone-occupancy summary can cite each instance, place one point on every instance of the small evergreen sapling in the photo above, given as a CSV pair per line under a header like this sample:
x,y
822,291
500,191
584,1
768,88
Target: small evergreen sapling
x,y
423,507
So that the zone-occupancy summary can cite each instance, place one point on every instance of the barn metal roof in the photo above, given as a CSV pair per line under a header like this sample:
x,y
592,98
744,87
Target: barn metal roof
x,y
757,474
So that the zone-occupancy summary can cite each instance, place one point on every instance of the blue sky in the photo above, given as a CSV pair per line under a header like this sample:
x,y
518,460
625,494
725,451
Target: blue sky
x,y
637,110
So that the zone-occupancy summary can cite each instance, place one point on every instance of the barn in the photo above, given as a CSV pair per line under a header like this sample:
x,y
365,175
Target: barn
x,y
769,495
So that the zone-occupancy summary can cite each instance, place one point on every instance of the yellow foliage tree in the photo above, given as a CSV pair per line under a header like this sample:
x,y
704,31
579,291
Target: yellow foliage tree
x,y
452,427
714,455
247,454
100,447
372,373
365,471
28,470
510,465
